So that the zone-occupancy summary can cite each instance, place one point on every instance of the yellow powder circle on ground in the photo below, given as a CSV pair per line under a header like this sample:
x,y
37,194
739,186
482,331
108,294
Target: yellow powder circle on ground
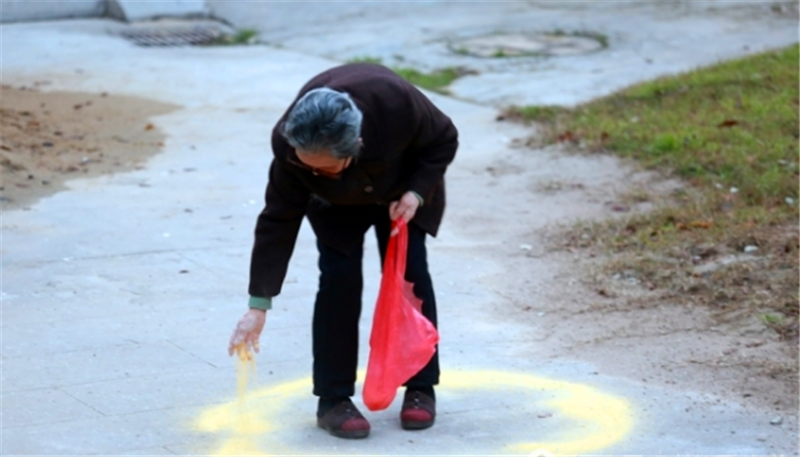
x,y
600,419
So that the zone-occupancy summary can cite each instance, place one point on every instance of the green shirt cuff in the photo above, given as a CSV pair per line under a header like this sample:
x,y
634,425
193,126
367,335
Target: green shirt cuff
x,y
260,303
419,197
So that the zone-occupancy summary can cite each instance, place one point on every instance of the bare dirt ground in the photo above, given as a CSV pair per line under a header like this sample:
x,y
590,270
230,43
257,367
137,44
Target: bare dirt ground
x,y
50,137
578,308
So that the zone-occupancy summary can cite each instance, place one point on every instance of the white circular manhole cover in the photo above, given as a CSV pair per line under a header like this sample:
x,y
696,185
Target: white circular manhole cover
x,y
513,45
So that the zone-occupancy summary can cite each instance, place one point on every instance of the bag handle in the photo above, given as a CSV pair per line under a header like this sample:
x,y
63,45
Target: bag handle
x,y
399,245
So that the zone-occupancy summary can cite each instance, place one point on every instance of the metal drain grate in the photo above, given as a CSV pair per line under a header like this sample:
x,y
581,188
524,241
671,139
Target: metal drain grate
x,y
173,36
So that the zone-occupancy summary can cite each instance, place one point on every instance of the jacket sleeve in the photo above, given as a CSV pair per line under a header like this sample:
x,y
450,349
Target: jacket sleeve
x,y
433,146
276,231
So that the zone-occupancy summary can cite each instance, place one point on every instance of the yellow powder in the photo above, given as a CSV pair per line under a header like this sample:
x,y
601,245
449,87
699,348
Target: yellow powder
x,y
244,365
243,421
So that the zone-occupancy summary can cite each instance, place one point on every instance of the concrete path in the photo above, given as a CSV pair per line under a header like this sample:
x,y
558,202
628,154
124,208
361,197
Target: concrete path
x,y
117,302
645,39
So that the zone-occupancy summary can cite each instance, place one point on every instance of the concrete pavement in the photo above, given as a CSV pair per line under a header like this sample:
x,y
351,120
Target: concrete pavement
x,y
107,348
645,39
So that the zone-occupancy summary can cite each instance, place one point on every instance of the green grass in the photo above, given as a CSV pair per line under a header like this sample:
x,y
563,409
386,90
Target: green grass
x,y
730,131
242,36
366,59
734,124
539,113
436,81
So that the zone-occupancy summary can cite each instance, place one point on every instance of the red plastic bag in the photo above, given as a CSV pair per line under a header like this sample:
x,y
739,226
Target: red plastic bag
x,y
402,340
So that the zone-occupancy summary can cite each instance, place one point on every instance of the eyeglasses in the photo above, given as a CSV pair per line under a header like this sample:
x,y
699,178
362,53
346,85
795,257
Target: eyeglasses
x,y
319,172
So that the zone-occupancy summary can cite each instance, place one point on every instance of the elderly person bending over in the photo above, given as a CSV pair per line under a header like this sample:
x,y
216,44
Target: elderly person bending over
x,y
359,147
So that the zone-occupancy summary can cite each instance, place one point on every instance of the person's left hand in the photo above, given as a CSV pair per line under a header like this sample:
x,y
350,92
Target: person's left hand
x,y
404,208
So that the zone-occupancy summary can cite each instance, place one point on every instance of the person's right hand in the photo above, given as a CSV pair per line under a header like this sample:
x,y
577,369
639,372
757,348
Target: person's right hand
x,y
244,340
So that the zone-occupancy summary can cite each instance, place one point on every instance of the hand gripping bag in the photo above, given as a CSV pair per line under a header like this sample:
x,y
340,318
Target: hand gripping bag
x,y
402,339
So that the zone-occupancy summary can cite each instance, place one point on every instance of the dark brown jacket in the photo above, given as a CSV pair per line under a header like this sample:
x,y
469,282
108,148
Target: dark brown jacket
x,y
407,145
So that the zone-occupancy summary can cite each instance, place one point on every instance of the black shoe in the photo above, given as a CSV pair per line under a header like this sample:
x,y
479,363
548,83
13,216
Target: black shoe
x,y
344,421
419,411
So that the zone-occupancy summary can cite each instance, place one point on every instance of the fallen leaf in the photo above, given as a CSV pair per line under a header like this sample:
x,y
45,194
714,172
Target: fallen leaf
x,y
604,136
149,127
701,224
728,123
566,136
79,106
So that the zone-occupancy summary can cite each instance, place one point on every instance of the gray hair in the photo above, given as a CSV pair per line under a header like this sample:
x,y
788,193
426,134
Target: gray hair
x,y
325,119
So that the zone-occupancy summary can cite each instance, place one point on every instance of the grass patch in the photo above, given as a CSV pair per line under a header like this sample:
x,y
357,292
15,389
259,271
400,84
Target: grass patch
x,y
366,59
544,114
730,131
242,36
436,81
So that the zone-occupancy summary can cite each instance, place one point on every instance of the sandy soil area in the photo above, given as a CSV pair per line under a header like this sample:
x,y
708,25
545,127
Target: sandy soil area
x,y
50,137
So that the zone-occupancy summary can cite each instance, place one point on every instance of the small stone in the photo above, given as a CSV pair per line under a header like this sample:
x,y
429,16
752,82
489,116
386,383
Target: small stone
x,y
525,247
750,248
789,201
777,420
734,190
47,144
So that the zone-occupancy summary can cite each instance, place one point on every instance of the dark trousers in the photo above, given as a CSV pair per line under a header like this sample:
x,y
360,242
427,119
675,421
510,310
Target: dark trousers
x,y
338,305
